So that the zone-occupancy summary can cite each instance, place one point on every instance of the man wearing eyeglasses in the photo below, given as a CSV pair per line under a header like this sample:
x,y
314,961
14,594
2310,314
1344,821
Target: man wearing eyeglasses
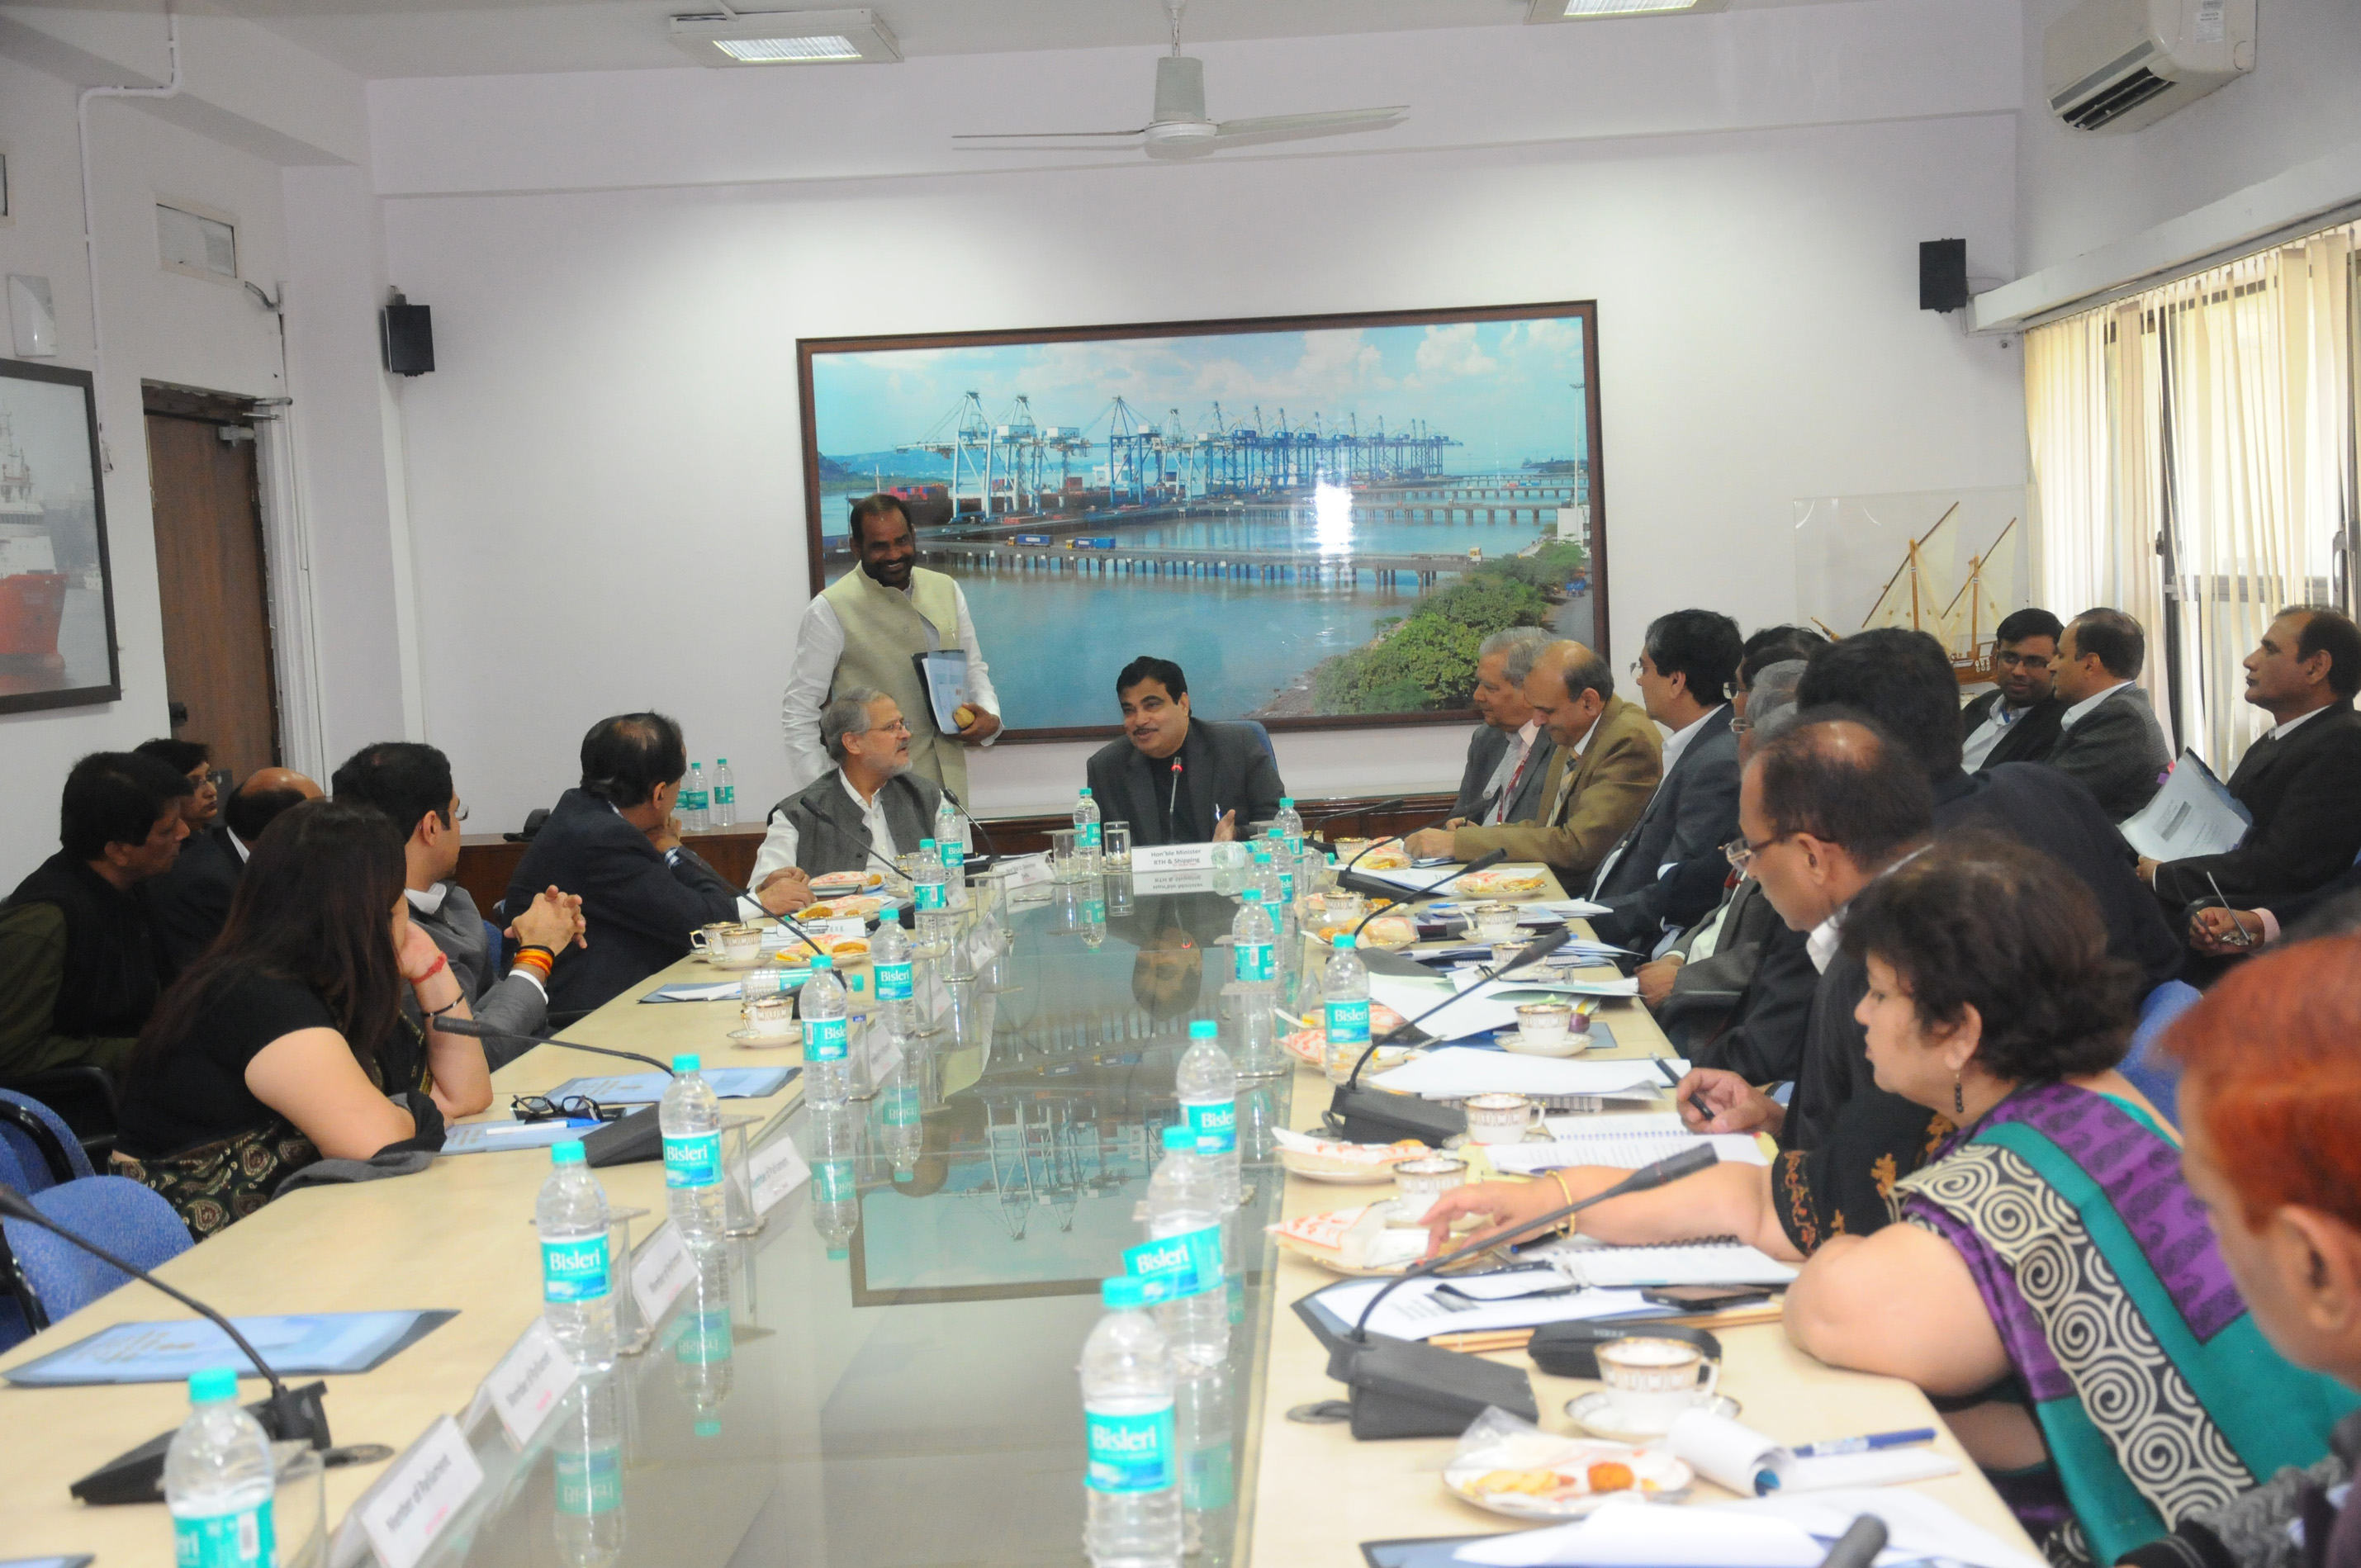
x,y
2109,741
870,808
2017,722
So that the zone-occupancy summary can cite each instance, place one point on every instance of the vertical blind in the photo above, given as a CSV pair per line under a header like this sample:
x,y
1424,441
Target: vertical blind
x,y
2192,451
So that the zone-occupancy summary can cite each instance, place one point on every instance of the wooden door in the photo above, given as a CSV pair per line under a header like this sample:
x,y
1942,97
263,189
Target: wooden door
x,y
209,566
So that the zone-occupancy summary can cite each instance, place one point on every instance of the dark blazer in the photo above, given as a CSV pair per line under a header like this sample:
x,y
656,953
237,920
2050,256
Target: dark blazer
x,y
2027,740
1221,764
1692,814
2043,808
2294,910
189,904
2116,752
1706,990
2305,794
1485,750
1764,1042
639,910
832,835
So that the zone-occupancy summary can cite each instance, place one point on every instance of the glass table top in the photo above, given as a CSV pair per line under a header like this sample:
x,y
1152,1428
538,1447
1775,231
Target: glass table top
x,y
885,1375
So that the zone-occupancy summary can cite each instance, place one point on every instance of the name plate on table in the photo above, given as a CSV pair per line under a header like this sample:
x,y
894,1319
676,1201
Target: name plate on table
x,y
778,1169
852,927
661,1271
1147,884
528,1382
408,1507
1171,858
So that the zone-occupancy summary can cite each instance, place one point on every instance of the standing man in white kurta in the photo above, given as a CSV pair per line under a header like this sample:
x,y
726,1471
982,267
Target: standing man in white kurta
x,y
861,631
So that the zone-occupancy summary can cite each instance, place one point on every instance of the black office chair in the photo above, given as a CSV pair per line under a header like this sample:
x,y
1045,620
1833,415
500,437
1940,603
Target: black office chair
x,y
84,1096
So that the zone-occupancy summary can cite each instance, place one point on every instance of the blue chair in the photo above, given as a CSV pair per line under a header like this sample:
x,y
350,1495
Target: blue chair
x,y
2150,1073
496,949
46,1151
54,1278
1261,735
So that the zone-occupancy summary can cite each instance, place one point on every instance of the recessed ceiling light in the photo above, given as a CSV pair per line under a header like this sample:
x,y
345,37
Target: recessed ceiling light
x,y
785,37
1598,10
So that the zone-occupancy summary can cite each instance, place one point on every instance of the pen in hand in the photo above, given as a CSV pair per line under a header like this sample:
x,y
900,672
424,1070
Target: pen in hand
x,y
1695,1099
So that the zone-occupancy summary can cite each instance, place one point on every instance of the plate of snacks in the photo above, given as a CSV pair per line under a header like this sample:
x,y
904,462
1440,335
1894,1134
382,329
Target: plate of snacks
x,y
834,883
1504,1465
1503,882
1322,1159
1389,931
852,906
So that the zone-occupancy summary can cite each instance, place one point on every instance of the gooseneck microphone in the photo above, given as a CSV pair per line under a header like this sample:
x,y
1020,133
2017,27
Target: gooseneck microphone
x,y
477,1029
1670,1169
1346,870
1858,1547
1481,862
1363,812
1532,953
990,848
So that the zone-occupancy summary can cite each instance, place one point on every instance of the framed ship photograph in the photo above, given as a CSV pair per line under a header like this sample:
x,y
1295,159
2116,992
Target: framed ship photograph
x,y
1318,518
57,596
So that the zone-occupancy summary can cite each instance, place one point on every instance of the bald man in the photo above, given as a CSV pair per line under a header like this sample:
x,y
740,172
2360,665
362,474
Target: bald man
x,y
189,903
1609,760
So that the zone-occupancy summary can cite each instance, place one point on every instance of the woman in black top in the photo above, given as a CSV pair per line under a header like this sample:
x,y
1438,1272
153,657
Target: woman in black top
x,y
286,1044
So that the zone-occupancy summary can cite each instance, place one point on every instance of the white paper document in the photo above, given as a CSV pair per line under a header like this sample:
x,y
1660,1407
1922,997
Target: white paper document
x,y
1648,1535
1624,1150
2193,814
944,674
1587,1262
1421,1310
1457,1072
1917,1525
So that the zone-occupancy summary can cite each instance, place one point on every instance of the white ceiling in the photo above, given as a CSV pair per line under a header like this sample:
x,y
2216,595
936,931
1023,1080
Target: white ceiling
x,y
390,39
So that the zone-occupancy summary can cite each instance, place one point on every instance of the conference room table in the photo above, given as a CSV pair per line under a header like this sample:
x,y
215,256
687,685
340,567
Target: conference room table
x,y
885,1379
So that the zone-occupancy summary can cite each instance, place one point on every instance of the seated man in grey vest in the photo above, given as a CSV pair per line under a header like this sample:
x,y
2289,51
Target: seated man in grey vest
x,y
866,810
1508,758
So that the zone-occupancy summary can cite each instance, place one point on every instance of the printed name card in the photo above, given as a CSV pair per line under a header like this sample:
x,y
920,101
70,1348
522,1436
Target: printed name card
x,y
661,1272
528,1382
1148,884
1171,858
419,1495
1023,870
777,1170
852,927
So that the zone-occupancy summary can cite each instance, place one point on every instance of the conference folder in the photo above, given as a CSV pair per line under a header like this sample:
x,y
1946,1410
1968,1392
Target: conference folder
x,y
647,1088
298,1345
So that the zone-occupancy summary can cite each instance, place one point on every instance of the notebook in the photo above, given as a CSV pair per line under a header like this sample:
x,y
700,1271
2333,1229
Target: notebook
x,y
1716,1260
1622,1150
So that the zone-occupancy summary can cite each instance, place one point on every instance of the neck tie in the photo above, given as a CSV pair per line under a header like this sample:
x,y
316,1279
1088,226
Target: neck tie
x,y
1509,790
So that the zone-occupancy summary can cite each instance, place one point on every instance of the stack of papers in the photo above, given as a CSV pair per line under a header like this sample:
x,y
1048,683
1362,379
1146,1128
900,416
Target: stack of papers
x,y
1423,1309
1721,1261
2193,814
1455,1072
1624,1149
1766,1533
491,1137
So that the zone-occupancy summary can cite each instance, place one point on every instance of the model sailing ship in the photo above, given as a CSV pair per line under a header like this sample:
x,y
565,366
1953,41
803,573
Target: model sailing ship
x,y
32,589
1964,621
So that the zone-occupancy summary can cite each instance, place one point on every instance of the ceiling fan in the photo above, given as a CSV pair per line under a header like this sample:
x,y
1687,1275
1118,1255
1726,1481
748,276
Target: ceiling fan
x,y
1181,129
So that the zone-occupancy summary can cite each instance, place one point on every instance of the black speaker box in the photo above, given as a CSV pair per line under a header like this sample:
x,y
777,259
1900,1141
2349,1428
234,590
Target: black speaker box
x,y
1402,1389
634,1140
406,333
1942,275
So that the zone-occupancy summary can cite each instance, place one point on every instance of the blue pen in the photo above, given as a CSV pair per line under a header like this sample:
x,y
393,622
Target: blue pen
x,y
1868,1445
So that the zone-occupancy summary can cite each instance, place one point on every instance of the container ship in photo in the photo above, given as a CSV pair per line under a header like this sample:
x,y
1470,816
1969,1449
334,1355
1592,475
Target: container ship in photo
x,y
32,589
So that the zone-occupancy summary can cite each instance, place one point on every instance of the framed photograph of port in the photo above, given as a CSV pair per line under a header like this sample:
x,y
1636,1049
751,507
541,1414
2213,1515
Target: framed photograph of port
x,y
57,593
1318,518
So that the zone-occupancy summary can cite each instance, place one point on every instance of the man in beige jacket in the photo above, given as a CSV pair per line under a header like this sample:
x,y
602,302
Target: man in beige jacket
x,y
1609,760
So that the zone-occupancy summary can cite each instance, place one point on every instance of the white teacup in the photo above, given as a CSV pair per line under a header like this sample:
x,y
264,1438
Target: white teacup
x,y
706,940
769,1017
1499,1118
1654,1380
1421,1182
732,947
1494,923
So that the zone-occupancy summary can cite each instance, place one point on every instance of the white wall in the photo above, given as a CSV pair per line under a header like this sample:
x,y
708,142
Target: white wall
x,y
604,467
2079,190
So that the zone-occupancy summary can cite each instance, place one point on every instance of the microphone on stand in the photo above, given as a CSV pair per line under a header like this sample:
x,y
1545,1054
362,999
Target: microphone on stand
x,y
990,848
1858,1547
1363,812
1383,888
476,1028
1481,862
1533,952
796,925
288,1414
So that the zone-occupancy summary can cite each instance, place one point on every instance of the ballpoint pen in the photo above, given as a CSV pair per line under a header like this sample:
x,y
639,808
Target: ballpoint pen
x,y
1870,1443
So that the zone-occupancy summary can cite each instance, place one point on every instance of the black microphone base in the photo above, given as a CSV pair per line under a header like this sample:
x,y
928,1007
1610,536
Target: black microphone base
x,y
1380,1116
137,1475
634,1140
1405,1389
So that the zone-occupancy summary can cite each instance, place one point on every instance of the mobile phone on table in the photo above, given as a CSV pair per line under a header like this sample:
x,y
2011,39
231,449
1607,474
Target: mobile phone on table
x,y
1703,1297
1429,862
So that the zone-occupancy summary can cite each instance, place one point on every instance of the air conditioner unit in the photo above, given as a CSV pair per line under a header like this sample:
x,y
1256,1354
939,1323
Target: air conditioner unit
x,y
2117,65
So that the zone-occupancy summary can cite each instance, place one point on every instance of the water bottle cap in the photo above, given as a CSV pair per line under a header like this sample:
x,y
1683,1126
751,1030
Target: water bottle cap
x,y
838,1253
1205,1029
724,761
1086,791
688,1061
212,1384
1123,1292
1344,940
1262,857
926,843
1286,803
1177,1136
709,1428
822,961
569,1152
1251,894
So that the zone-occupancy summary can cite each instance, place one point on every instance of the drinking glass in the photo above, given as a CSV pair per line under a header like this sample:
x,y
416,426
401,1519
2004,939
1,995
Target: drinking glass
x,y
1230,862
1114,846
1065,859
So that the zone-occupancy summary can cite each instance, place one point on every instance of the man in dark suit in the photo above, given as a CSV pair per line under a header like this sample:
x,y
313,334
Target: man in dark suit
x,y
2017,721
190,903
1177,779
1506,757
2300,781
1668,868
612,842
2109,741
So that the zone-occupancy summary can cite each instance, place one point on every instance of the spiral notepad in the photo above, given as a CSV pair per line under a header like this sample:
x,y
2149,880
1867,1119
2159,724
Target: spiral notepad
x,y
1715,1260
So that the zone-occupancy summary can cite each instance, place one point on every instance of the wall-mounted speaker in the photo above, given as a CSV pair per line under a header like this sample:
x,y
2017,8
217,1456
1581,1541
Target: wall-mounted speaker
x,y
1942,275
406,333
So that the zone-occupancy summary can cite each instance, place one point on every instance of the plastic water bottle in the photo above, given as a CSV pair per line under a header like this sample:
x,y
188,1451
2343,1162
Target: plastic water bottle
x,y
930,896
836,1194
1090,913
1184,1233
693,816
950,848
901,1135
587,1467
217,1479
1207,1086
1344,985
1086,830
704,1356
889,965
1288,826
1132,1494
690,1119
1264,874
1203,1424
1251,936
577,1280
828,1066
725,795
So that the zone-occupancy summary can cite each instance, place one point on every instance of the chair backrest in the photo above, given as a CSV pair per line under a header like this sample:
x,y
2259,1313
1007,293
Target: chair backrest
x,y
2149,1072
496,949
128,1219
46,1148
1261,735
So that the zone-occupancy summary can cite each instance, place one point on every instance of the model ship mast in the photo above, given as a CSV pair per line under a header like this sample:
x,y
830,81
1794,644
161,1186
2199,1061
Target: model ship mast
x,y
1971,664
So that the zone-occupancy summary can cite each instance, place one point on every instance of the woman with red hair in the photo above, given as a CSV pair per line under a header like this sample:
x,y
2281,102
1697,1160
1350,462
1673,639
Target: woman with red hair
x,y
2271,1106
